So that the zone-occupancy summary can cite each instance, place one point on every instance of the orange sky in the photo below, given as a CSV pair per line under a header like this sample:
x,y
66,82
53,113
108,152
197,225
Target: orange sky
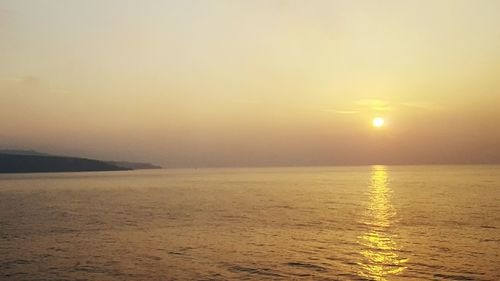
x,y
238,83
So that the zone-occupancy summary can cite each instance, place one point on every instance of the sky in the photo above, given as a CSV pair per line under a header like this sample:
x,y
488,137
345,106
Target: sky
x,y
252,83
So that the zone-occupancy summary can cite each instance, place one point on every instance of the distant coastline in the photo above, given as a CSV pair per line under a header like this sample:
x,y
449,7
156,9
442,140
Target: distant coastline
x,y
134,165
29,161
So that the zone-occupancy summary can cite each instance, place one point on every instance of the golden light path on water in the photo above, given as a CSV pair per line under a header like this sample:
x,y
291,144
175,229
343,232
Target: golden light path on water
x,y
380,258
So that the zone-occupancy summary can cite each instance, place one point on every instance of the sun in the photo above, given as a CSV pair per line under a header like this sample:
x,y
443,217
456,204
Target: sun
x,y
378,122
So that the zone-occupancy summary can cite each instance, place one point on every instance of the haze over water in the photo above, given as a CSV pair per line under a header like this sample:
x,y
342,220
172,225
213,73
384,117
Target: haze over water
x,y
227,83
329,223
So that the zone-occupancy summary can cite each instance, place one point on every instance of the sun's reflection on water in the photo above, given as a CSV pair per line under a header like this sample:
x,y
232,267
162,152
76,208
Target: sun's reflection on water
x,y
379,252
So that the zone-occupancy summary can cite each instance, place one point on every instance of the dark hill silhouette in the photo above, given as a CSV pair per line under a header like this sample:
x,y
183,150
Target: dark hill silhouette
x,y
23,152
30,163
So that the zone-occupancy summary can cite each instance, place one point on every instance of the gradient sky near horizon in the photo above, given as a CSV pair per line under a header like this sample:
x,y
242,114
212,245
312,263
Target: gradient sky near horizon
x,y
238,83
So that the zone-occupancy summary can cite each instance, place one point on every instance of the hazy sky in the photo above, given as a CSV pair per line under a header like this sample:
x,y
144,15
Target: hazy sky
x,y
235,83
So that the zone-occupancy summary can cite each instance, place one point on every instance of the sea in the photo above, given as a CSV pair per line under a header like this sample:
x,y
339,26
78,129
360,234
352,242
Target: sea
x,y
300,223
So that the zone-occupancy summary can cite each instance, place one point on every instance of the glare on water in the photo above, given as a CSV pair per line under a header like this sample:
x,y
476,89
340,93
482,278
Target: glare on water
x,y
380,258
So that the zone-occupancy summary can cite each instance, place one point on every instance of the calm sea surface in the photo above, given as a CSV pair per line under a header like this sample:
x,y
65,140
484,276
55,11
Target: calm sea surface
x,y
342,223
